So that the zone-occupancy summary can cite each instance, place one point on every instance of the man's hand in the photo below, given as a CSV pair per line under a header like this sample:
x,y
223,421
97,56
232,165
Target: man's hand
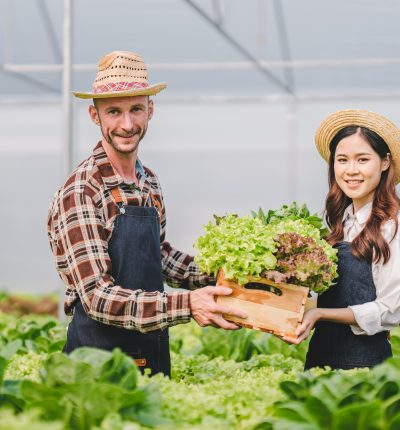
x,y
206,311
303,330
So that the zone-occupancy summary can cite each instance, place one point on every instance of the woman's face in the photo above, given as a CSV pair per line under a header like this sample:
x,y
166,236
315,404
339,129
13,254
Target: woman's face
x,y
358,169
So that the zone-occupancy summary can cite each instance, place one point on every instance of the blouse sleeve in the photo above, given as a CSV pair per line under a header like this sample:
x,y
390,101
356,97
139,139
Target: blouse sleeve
x,y
384,312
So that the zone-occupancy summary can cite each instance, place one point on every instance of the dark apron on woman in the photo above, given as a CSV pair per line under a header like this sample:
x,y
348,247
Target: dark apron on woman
x,y
134,250
334,344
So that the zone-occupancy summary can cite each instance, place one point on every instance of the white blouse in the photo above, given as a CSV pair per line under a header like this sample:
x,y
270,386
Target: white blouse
x,y
384,312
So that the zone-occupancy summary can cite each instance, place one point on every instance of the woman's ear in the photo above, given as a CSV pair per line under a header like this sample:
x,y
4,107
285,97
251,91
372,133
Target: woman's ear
x,y
386,162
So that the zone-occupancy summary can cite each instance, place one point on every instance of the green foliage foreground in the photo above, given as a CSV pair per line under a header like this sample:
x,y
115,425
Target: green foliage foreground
x,y
220,380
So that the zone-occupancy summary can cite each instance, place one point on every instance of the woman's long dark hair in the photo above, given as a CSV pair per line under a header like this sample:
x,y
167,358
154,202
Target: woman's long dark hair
x,y
370,243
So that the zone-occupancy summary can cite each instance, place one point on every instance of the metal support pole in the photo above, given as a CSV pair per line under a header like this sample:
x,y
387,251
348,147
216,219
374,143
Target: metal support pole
x,y
7,31
51,31
66,109
292,146
66,88
284,42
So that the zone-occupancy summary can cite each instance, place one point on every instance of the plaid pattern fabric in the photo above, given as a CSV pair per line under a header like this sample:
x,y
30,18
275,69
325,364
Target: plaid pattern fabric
x,y
80,223
118,86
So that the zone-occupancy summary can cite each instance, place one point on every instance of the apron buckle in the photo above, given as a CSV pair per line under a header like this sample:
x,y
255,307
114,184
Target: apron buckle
x,y
140,362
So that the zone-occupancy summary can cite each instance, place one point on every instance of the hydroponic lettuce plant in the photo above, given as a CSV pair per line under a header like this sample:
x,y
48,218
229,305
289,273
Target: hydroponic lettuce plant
x,y
284,248
292,212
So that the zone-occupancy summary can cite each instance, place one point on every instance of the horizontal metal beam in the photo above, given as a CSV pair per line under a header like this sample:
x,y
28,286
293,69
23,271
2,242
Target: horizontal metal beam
x,y
272,98
226,65
33,81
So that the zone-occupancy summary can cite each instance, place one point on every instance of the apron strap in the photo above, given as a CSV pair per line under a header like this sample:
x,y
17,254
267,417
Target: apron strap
x,y
117,195
118,199
156,203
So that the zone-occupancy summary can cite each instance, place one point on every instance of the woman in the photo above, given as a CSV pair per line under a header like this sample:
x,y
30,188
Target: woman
x,y
353,318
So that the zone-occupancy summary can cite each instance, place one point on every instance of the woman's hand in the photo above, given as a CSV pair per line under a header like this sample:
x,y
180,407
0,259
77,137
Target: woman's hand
x,y
303,330
336,315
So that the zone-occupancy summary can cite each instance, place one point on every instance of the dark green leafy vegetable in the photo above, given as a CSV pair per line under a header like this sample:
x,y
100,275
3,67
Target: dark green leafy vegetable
x,y
340,400
293,212
84,388
264,388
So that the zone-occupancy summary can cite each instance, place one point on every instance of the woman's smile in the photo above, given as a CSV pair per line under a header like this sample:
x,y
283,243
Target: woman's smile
x,y
354,183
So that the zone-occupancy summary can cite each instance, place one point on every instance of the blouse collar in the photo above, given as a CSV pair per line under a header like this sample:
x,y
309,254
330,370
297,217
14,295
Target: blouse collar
x,y
361,215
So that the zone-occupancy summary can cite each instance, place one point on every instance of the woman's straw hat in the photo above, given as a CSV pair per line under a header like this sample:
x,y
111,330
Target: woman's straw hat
x,y
121,74
362,118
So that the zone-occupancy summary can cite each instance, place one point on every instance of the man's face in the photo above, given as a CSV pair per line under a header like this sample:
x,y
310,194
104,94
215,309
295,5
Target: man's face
x,y
123,121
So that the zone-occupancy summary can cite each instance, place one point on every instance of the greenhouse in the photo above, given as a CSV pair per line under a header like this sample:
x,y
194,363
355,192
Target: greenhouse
x,y
232,141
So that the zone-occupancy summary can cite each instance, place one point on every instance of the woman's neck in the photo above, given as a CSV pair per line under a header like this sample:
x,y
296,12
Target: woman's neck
x,y
358,204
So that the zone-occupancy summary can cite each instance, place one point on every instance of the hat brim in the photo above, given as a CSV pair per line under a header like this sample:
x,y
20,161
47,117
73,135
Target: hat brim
x,y
388,131
148,91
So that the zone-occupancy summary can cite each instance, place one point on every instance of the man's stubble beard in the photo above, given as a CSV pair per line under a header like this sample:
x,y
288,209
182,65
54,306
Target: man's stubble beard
x,y
114,145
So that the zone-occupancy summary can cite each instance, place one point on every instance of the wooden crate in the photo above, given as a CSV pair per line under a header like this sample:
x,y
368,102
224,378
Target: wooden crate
x,y
271,307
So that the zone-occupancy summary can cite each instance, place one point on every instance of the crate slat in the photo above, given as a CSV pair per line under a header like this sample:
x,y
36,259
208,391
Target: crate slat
x,y
266,310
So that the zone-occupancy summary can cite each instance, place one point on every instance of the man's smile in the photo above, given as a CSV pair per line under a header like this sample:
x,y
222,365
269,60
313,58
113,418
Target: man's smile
x,y
126,136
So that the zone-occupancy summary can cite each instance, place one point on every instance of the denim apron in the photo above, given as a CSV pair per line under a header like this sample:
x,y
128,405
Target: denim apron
x,y
334,344
134,250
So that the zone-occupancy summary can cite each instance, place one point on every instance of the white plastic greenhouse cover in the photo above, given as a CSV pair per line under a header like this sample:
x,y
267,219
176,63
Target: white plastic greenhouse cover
x,y
248,83
208,48
214,48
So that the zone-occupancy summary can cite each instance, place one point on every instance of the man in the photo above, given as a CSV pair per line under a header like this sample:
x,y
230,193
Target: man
x,y
106,227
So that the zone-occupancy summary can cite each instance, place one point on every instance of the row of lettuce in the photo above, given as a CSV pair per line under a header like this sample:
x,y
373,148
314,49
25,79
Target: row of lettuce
x,y
221,380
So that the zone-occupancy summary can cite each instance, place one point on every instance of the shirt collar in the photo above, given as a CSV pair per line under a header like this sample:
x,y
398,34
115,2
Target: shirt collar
x,y
140,168
361,215
110,177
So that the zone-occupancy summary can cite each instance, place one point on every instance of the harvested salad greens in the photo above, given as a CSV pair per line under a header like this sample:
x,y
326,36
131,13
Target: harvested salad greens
x,y
286,245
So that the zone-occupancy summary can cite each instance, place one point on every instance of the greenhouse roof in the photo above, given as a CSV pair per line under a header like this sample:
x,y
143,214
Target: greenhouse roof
x,y
235,48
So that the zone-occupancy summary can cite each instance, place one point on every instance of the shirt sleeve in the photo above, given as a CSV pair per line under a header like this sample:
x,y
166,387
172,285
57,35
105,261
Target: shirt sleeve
x,y
384,312
180,270
79,243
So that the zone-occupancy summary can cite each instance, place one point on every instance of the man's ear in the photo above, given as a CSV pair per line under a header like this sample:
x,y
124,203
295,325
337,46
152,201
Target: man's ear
x,y
151,109
94,115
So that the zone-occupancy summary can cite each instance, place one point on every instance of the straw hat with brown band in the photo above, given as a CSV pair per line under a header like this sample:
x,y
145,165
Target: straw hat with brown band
x,y
362,118
121,74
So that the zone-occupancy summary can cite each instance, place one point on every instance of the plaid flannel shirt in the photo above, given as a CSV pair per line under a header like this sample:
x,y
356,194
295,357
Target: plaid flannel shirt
x,y
80,224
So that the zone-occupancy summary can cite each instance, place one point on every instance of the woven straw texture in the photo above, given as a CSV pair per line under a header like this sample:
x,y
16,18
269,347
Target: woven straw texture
x,y
121,74
374,121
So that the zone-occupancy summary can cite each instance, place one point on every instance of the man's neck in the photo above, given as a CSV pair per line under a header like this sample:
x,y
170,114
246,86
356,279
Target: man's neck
x,y
124,164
